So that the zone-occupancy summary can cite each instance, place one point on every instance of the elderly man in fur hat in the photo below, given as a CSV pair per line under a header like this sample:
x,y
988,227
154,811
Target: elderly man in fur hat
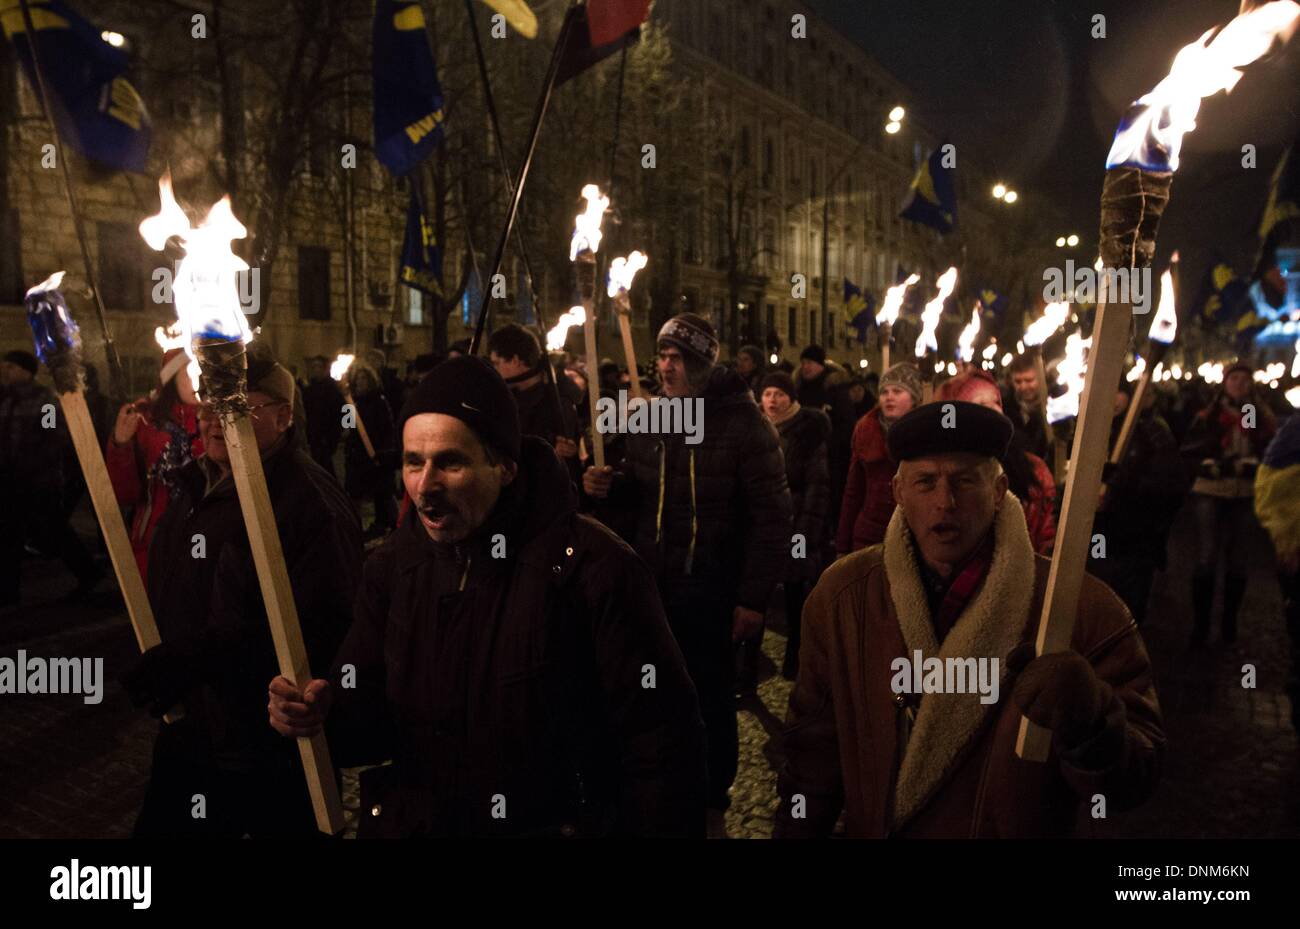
x,y
956,579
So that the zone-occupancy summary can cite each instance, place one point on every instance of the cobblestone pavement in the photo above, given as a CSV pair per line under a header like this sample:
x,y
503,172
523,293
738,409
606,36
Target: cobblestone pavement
x,y
70,770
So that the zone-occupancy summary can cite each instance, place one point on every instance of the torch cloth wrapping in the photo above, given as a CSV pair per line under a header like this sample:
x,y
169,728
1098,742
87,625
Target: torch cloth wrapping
x,y
57,338
223,375
1132,201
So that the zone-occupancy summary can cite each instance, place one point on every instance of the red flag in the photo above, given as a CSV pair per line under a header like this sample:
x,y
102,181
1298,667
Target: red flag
x,y
611,20
599,29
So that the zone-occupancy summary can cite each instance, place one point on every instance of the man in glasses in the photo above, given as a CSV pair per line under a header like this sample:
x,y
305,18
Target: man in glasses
x,y
220,771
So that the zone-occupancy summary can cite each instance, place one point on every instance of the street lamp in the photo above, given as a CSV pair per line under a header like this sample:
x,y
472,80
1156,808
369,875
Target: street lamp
x,y
999,191
1060,241
896,114
893,126
1011,197
1072,241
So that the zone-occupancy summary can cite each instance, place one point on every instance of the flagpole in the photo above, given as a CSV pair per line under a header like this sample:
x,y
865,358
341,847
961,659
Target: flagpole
x,y
543,102
490,99
117,384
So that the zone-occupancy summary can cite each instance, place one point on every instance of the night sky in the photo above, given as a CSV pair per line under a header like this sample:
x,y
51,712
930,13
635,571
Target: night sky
x,y
1024,83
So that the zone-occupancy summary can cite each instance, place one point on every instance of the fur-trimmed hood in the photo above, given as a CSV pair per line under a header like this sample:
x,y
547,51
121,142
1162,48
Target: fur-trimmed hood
x,y
990,627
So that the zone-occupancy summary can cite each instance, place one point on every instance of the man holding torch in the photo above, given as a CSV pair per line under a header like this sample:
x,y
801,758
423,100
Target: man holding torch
x,y
217,652
713,520
957,580
510,655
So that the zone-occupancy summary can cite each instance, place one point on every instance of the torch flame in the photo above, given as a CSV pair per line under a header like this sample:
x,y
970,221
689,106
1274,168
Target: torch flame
x,y
170,337
1070,371
1165,324
933,310
966,341
53,282
586,225
205,287
556,335
894,301
991,351
1041,329
1139,365
622,270
1152,131
340,365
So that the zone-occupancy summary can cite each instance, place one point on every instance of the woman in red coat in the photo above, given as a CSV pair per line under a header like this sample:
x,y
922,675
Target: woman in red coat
x,y
868,493
1028,476
152,440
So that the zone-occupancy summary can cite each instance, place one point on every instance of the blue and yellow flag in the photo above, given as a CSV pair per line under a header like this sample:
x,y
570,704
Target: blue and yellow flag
x,y
932,200
992,303
1224,296
408,98
97,110
1279,223
859,310
421,252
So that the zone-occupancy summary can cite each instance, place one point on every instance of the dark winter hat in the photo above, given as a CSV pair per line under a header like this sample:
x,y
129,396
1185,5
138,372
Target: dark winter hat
x,y
469,389
813,353
754,352
24,360
781,381
935,429
904,375
1239,366
693,334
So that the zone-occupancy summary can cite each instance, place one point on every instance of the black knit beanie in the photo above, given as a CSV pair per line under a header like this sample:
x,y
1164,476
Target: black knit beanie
x,y
469,388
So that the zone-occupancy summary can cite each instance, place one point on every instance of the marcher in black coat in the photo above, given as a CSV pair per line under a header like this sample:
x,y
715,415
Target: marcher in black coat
x,y
511,656
323,402
366,477
712,520
217,652
804,435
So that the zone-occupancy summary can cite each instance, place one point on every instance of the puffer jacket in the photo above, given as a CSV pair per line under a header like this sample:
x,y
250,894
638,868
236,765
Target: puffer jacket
x,y
803,444
868,494
712,520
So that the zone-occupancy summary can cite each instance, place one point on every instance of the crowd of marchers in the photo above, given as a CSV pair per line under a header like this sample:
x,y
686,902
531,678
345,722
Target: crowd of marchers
x,y
524,643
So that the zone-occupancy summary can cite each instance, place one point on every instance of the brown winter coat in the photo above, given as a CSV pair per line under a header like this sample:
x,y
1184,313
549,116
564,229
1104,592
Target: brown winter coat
x,y
958,776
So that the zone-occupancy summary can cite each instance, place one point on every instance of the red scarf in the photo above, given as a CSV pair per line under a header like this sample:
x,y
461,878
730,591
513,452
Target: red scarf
x,y
962,588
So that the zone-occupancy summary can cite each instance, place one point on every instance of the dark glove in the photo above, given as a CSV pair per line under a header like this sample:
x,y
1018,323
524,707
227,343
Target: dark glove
x,y
163,674
1060,692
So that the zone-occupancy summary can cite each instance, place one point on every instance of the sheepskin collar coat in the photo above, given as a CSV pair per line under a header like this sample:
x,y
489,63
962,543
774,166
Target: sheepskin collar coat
x,y
950,770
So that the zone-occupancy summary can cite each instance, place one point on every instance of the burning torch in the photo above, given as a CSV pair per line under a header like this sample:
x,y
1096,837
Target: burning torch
x,y
621,272
339,371
216,331
58,346
926,341
1164,327
1139,171
582,251
888,315
966,341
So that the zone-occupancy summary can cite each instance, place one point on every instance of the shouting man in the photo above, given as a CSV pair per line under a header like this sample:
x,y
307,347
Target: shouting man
x,y
956,579
509,655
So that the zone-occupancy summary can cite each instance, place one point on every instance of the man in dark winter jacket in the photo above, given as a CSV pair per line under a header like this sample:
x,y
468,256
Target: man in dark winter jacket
x,y
824,385
1024,400
509,655
517,356
217,653
323,402
713,521
1142,495
750,366
34,448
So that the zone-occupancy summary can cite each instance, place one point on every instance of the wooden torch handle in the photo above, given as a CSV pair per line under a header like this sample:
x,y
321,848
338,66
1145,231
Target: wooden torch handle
x,y
281,611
